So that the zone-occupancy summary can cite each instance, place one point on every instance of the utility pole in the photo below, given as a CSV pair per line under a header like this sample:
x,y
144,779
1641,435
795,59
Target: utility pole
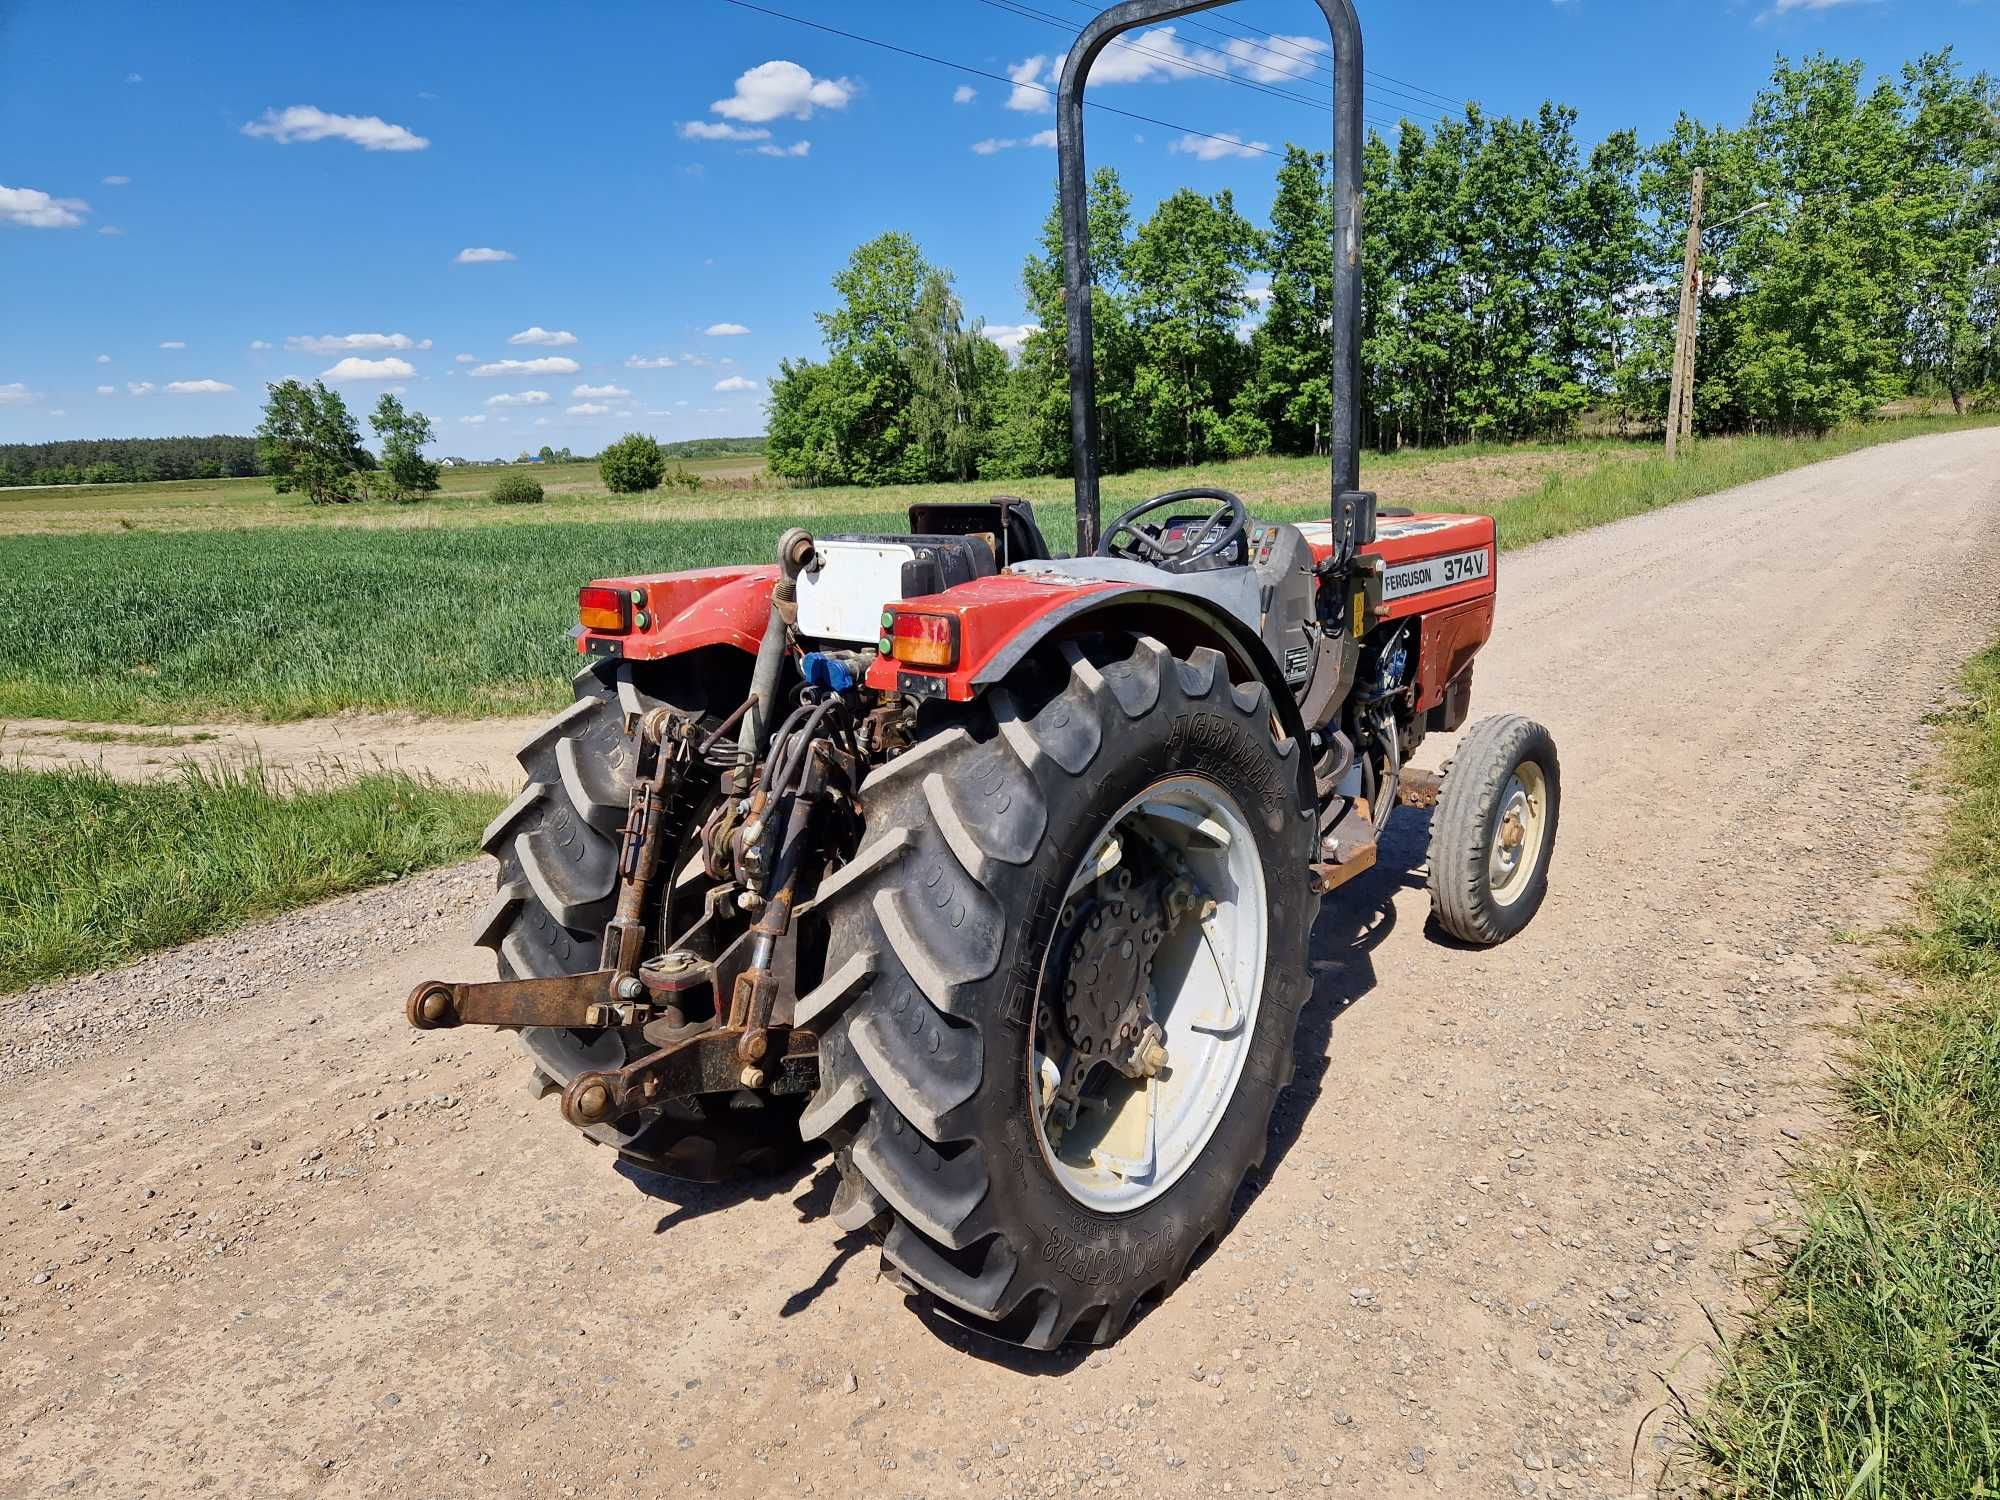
x,y
1680,403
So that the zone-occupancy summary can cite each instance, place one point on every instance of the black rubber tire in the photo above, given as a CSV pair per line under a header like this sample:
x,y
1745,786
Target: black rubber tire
x,y
556,845
1467,821
937,931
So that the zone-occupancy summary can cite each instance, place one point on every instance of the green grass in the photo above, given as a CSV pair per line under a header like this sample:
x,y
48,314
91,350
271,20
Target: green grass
x,y
95,872
1576,500
382,608
183,504
1873,1369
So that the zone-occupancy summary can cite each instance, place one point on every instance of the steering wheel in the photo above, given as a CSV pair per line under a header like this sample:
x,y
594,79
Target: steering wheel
x,y
1149,542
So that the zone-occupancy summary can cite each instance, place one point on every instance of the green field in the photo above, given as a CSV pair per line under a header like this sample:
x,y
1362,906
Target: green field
x,y
462,608
95,872
204,504
1872,1367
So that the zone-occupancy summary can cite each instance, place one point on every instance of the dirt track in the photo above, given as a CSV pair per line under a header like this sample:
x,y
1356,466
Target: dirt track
x,y
310,750
263,1239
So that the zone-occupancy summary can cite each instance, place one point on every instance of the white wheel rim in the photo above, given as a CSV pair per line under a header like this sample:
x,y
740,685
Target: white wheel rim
x,y
1206,990
1519,832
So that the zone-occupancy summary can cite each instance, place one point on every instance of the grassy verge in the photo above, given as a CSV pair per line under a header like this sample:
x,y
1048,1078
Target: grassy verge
x,y
463,620
95,872
1874,1367
1574,501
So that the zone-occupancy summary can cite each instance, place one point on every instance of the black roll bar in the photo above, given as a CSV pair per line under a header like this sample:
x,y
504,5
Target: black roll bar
x,y
1344,29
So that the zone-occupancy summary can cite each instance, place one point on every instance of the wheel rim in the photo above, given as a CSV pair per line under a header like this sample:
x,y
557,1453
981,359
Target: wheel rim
x,y
1519,833
1126,1139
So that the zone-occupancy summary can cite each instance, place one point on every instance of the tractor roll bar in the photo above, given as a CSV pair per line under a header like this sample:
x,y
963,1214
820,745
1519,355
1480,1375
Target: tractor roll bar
x,y
1345,30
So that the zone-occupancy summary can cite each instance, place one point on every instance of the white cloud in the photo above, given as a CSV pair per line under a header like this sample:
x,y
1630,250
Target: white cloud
x,y
1042,139
736,383
355,368
549,365
31,208
549,338
539,421
1010,336
111,229
104,359
1155,56
349,343
1277,58
1216,147
303,122
107,390
465,359
474,420
779,90
586,409
16,394
482,255
174,344
725,330
58,412
116,181
599,392
259,344
200,387
1025,96
135,78
656,362
519,398
139,387
1790,5
1258,294
796,149
965,93
718,130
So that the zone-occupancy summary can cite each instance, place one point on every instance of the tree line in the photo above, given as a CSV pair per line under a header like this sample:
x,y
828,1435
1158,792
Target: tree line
x,y
128,460
1512,282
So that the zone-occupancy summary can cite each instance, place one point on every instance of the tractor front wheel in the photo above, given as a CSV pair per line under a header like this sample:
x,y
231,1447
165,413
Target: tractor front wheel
x,y
1063,972
1495,830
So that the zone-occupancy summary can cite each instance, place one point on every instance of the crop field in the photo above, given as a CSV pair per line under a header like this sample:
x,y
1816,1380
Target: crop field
x,y
459,608
203,504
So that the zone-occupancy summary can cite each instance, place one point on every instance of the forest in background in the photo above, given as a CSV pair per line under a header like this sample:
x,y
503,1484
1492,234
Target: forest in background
x,y
128,460
1512,283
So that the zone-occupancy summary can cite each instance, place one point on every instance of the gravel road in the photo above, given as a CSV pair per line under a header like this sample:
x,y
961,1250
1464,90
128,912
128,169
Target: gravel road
x,y
258,1237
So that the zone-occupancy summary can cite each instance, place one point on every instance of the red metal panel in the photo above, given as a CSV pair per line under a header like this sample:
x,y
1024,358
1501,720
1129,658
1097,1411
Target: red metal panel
x,y
990,613
701,607
1403,542
1446,643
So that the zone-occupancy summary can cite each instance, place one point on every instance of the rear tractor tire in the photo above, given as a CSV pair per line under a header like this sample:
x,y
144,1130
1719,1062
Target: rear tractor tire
x,y
1063,973
1495,830
557,847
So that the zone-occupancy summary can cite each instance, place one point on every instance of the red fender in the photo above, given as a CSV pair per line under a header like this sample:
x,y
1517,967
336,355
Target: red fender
x,y
702,607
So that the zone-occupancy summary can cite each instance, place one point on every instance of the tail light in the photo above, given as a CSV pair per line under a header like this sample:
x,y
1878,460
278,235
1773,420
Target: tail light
x,y
604,611
920,640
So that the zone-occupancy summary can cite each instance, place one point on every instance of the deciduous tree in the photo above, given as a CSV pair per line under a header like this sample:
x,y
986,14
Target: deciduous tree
x,y
309,444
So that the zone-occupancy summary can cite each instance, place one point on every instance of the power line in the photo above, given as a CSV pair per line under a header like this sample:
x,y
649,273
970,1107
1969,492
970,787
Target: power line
x,y
1029,13
1293,56
1170,60
958,67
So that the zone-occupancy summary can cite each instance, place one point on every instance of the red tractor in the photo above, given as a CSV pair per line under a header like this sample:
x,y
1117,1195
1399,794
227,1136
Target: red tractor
x,y
994,871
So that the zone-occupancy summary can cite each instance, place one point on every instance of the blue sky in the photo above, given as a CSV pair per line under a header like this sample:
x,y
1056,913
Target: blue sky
x,y
194,202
